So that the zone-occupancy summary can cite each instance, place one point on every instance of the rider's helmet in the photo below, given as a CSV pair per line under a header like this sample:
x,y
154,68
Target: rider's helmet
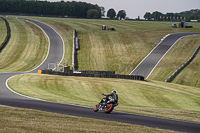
x,y
113,91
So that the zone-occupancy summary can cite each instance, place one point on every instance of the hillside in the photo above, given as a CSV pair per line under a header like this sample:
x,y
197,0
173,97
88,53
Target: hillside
x,y
175,58
138,97
26,48
123,49
119,51
3,30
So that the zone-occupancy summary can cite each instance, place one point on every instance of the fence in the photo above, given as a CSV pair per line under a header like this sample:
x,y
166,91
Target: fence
x,y
56,67
7,36
171,78
99,74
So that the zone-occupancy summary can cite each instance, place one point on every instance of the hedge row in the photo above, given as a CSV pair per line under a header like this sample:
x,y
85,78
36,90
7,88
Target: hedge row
x,y
171,78
99,74
7,36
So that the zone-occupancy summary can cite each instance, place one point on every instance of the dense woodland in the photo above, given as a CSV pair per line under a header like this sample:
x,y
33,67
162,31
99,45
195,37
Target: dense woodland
x,y
83,10
70,9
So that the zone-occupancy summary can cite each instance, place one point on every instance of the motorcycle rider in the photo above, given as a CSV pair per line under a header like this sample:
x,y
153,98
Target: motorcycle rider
x,y
114,97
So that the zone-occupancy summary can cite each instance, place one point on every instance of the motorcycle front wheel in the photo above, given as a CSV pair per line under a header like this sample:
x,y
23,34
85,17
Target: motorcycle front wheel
x,y
96,108
109,108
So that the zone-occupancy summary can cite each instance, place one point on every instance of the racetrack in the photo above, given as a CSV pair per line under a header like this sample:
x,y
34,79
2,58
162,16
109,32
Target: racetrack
x,y
9,98
147,65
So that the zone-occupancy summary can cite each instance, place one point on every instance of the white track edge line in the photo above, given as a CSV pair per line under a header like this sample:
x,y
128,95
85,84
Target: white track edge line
x,y
49,43
163,57
167,52
48,47
149,54
37,98
37,66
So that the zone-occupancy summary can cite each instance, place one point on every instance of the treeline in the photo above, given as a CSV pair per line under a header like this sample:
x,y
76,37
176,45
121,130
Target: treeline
x,y
70,9
193,14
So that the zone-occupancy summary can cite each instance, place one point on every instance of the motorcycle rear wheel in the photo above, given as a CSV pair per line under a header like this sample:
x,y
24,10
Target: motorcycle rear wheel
x,y
109,108
96,108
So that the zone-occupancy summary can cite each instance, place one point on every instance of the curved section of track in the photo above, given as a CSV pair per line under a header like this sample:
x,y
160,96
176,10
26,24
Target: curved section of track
x,y
9,98
55,54
56,45
147,65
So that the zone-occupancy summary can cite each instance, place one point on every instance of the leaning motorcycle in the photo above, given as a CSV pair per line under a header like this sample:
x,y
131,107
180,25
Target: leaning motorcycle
x,y
106,105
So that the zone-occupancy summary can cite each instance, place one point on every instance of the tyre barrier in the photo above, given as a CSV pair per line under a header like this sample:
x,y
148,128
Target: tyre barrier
x,y
171,78
7,36
99,74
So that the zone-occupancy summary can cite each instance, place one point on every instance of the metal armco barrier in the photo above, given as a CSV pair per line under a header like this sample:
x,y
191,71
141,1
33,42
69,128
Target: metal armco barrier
x,y
171,78
7,36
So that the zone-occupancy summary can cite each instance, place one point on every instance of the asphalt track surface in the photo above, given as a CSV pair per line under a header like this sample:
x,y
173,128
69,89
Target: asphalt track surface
x,y
147,65
10,98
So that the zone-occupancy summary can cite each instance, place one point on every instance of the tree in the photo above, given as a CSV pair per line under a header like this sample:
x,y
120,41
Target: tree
x,y
121,14
111,13
93,13
102,11
60,8
169,16
138,18
156,15
147,16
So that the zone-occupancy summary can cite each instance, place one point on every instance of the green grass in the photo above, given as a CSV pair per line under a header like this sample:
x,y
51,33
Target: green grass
x,y
3,31
119,50
26,49
123,49
175,58
26,120
148,98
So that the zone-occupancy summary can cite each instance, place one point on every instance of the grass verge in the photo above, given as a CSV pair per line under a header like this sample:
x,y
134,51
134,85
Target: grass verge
x,y
26,120
123,49
175,58
119,50
3,30
26,49
148,98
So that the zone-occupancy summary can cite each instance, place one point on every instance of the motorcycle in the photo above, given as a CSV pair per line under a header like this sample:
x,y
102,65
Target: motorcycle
x,y
106,105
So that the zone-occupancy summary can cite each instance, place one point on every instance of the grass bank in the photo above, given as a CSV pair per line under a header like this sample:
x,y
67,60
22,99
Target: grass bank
x,y
175,58
119,50
26,49
25,120
3,30
148,98
123,49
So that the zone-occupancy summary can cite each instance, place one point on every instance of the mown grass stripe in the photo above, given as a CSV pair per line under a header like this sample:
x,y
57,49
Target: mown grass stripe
x,y
3,30
133,95
27,120
26,49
